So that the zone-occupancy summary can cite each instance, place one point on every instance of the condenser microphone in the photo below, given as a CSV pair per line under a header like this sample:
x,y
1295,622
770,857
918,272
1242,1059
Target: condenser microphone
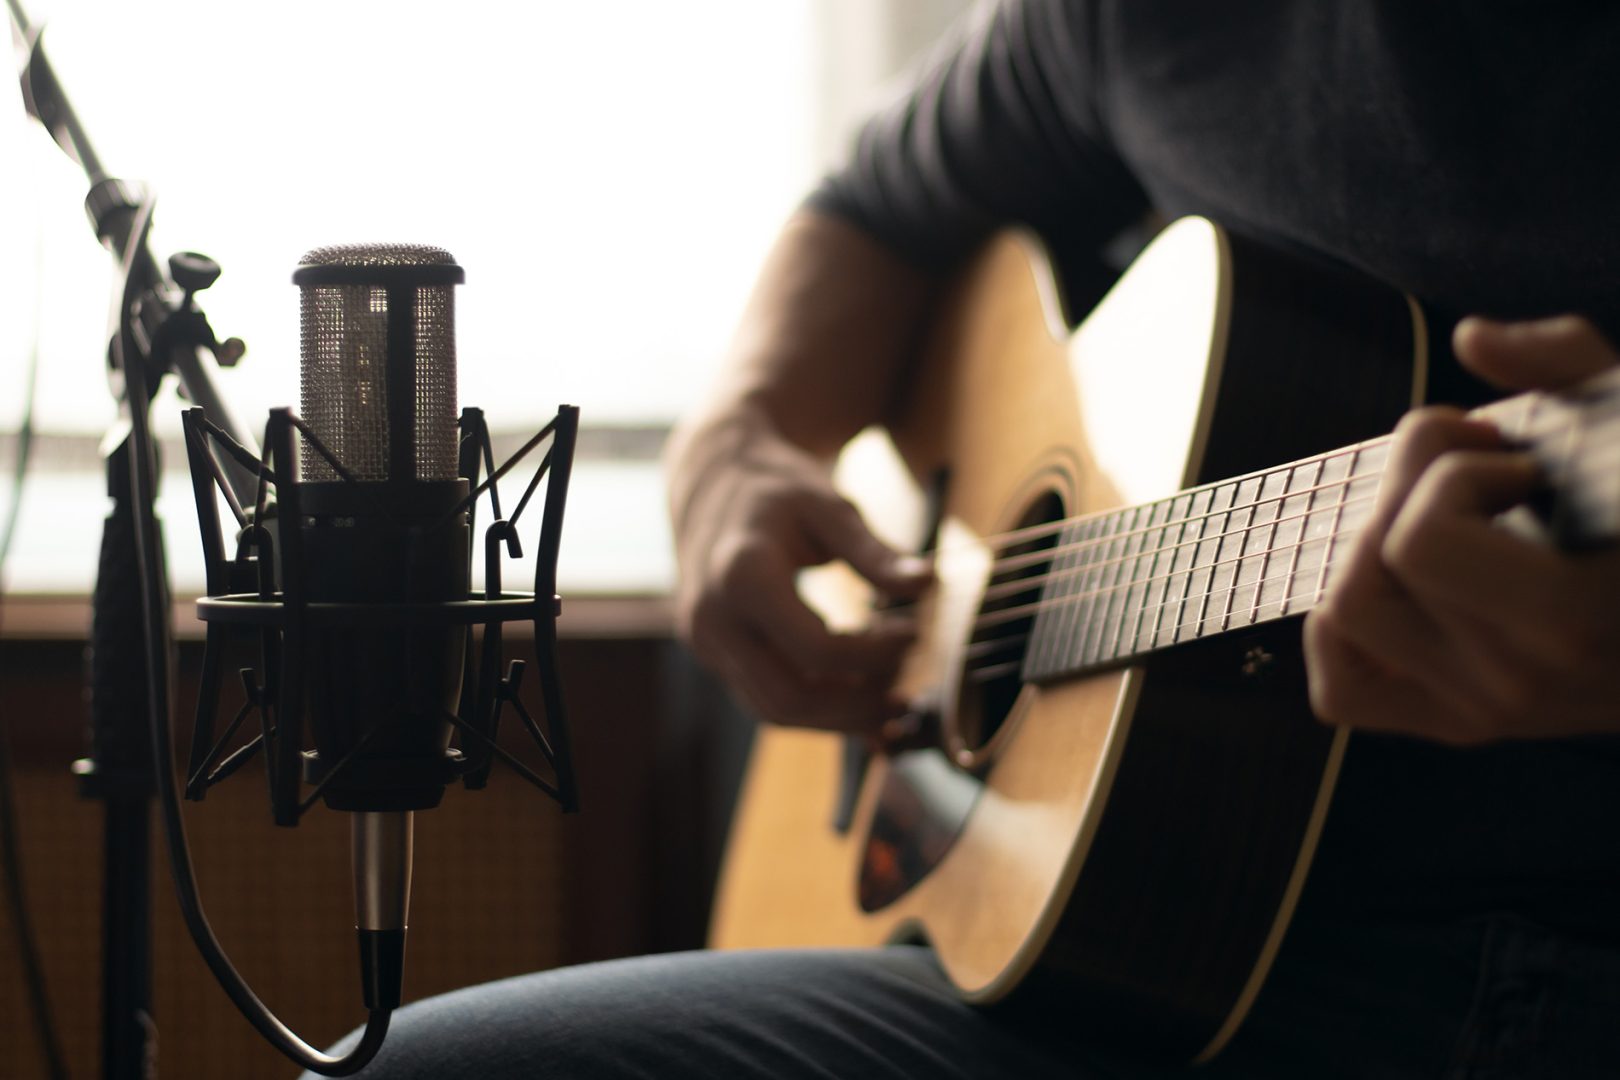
x,y
378,395
352,570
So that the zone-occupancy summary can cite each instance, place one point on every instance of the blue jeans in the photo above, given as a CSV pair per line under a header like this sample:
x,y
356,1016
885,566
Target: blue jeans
x,y
1486,999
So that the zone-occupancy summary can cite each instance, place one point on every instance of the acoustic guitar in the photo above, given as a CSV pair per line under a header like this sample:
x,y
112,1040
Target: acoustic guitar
x,y
1127,786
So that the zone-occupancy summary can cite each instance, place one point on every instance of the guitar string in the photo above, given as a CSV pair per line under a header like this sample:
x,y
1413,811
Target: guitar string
x,y
1509,416
1229,590
1004,616
1001,590
1042,555
986,647
989,647
1548,426
1134,646
1015,586
1023,560
1012,614
1143,614
1003,540
1045,555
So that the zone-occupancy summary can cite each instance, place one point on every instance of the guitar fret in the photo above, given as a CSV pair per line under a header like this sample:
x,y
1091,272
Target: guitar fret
x,y
1045,630
1343,485
1081,574
1249,570
1141,583
1268,510
1097,590
1084,573
1126,588
1231,544
1047,652
1268,545
1097,625
1158,582
1066,565
1192,530
1294,510
1198,581
1180,560
1368,476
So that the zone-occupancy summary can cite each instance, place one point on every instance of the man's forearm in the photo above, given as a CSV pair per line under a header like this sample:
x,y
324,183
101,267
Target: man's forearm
x,y
821,351
824,338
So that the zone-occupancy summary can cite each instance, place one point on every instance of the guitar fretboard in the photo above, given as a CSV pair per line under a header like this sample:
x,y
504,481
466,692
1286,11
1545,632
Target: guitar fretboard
x,y
1105,589
1206,561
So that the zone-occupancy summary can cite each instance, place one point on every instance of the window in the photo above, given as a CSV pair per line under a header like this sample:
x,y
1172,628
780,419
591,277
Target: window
x,y
609,174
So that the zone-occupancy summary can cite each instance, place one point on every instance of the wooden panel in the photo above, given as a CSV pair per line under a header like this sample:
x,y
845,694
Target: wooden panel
x,y
504,885
487,903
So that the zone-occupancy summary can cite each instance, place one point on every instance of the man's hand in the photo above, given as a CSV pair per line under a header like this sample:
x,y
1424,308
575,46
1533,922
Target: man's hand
x,y
1448,627
819,355
755,510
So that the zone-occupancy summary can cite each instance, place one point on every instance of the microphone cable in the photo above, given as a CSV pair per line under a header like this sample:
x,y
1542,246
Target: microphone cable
x,y
154,609
22,924
134,271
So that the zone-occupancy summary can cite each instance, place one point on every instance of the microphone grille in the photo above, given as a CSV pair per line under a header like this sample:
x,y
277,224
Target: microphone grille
x,y
377,255
363,391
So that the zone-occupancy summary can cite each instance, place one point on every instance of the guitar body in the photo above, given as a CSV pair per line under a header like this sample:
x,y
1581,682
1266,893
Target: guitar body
x,y
1134,838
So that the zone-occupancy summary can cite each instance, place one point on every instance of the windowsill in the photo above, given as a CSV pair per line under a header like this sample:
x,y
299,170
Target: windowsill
x,y
615,571
39,617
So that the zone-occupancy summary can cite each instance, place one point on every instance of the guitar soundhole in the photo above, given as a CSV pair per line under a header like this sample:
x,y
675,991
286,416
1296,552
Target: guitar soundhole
x,y
926,798
992,674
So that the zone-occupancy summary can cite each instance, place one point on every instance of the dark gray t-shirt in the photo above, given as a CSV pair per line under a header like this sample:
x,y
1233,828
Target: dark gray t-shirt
x,y
1467,153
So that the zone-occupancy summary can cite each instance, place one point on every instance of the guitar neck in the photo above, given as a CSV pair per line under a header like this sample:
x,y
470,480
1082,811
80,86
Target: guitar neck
x,y
1208,560
1109,588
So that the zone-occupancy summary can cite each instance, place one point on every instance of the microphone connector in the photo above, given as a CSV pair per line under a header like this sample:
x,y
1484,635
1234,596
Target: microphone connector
x,y
381,844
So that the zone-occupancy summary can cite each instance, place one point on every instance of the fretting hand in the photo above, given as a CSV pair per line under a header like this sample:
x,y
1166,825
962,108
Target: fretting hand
x,y
1448,627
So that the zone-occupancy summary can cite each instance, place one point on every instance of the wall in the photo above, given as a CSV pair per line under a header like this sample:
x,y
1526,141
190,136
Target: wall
x,y
504,883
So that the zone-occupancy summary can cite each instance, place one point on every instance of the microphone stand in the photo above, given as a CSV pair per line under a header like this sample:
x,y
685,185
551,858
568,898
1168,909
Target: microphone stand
x,y
158,329
156,324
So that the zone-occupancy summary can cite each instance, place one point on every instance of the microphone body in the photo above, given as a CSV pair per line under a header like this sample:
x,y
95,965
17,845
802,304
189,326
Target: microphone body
x,y
381,525
380,698
378,391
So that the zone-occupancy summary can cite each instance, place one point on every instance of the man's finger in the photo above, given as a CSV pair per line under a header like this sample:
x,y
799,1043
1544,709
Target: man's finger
x,y
1383,631
761,599
782,695
844,534
1536,354
1421,438
1444,545
1347,686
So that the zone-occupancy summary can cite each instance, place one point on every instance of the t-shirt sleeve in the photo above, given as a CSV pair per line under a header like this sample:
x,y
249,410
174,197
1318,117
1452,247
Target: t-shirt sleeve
x,y
1002,128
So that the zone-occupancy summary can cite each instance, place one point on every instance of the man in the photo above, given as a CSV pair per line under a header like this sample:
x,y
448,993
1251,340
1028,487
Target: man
x,y
1461,918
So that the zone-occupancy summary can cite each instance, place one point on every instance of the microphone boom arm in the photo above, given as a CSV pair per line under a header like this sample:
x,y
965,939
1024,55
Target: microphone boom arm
x,y
175,333
157,328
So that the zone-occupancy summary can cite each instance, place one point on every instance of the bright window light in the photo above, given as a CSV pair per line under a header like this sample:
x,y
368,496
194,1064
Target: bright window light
x,y
608,173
